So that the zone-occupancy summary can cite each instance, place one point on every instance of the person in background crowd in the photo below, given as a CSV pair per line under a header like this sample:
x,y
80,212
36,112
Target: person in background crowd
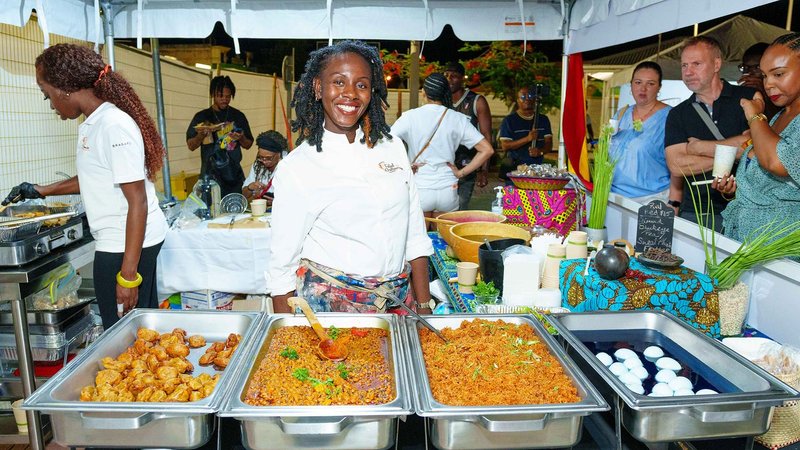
x,y
753,77
710,116
220,132
525,142
477,109
641,172
271,148
119,153
346,208
432,136
767,182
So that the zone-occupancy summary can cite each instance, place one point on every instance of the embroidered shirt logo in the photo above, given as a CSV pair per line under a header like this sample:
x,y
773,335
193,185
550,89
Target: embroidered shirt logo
x,y
85,143
120,144
389,167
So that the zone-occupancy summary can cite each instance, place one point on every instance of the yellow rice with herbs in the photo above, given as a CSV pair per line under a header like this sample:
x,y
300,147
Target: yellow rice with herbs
x,y
491,363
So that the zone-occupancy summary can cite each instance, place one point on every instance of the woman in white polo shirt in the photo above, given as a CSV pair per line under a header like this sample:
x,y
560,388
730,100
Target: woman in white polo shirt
x,y
119,153
347,228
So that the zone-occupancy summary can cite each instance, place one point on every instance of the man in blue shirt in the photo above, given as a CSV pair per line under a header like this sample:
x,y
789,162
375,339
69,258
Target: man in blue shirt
x,y
525,143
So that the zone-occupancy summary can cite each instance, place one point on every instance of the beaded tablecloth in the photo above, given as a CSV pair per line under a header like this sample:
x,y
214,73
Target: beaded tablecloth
x,y
689,295
445,268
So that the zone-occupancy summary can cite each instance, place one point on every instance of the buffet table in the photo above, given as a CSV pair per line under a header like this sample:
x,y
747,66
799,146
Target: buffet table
x,y
227,260
445,269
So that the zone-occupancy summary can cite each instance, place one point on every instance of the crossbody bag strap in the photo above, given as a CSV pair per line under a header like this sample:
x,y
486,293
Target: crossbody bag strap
x,y
623,111
436,128
707,120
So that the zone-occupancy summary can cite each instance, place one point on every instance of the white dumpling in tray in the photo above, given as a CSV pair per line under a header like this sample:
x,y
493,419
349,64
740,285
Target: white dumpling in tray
x,y
653,352
624,354
604,358
663,376
667,363
630,363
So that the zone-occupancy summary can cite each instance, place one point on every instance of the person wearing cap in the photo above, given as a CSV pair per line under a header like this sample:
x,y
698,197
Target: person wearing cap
x,y
271,149
525,141
432,134
477,109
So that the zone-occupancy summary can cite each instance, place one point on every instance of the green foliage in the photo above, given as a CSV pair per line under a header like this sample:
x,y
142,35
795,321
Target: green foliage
x,y
396,64
768,242
502,70
289,353
602,174
483,289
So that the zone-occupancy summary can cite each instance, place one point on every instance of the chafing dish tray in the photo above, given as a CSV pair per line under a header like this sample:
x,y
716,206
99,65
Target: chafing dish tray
x,y
313,427
45,316
508,426
746,396
50,347
140,424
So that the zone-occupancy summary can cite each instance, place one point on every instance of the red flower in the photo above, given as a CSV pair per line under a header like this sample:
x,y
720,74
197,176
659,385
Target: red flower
x,y
476,78
513,65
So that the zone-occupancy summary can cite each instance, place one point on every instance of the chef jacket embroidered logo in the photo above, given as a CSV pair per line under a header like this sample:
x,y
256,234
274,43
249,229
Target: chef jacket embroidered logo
x,y
120,144
85,143
389,167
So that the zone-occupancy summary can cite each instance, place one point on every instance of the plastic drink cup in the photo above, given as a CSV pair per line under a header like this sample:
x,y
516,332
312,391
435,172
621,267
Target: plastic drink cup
x,y
20,417
467,274
724,157
258,207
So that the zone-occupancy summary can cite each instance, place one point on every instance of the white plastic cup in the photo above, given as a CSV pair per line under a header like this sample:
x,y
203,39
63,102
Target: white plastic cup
x,y
724,157
20,417
467,274
614,124
258,207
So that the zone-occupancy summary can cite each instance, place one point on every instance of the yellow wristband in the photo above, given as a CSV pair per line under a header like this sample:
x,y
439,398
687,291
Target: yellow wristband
x,y
129,283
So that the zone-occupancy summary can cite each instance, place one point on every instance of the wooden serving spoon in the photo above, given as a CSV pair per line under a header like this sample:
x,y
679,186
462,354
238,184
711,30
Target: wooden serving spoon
x,y
327,347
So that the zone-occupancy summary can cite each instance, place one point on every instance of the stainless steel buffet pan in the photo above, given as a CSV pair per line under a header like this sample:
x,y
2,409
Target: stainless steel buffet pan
x,y
510,426
747,393
140,424
314,427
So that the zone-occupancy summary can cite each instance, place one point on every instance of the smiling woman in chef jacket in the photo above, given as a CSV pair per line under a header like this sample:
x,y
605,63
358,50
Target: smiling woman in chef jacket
x,y
346,222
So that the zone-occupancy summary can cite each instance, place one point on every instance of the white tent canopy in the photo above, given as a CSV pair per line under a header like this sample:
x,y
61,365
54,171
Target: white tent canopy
x,y
593,23
735,35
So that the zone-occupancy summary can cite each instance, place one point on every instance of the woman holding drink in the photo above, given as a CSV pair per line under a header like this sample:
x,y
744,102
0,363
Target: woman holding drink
x,y
767,182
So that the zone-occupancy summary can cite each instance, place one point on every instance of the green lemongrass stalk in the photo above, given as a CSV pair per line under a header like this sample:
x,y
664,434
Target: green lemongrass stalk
x,y
759,247
602,173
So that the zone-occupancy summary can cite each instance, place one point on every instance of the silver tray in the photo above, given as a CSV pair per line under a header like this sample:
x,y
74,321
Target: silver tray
x,y
139,424
313,427
51,347
44,316
509,426
743,408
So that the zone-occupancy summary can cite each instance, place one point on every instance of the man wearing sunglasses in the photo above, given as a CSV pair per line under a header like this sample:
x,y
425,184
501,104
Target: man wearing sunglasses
x,y
271,148
524,142
753,77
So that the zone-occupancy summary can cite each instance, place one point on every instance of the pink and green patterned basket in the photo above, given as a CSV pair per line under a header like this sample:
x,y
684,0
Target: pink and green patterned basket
x,y
538,183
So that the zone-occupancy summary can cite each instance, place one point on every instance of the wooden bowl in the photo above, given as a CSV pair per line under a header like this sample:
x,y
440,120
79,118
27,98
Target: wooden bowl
x,y
467,237
465,217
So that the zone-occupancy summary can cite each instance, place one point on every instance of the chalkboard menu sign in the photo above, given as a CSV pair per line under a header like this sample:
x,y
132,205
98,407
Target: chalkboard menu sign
x,y
655,227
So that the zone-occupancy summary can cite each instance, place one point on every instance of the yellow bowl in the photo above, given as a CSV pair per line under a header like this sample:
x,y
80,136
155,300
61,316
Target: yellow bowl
x,y
467,237
465,217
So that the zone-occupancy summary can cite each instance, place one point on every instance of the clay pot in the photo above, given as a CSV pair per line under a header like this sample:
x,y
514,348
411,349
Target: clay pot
x,y
611,262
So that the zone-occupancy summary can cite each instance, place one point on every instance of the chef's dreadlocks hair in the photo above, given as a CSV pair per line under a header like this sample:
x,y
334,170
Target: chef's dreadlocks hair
x,y
219,83
437,88
791,40
70,68
309,112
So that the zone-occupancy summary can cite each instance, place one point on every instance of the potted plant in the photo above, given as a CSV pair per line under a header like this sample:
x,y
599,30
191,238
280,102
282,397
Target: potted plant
x,y
485,293
768,242
602,174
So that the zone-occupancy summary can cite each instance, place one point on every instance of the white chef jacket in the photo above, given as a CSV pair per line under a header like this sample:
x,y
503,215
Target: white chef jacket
x,y
111,152
349,207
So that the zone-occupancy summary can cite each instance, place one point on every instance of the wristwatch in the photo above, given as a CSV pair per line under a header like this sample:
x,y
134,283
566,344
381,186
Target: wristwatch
x,y
430,304
674,203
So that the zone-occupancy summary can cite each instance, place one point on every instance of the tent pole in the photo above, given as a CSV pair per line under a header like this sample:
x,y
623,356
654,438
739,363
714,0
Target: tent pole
x,y
789,16
155,53
108,32
413,76
566,9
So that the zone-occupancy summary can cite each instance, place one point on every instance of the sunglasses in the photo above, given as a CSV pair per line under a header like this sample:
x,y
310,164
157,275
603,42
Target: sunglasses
x,y
267,158
527,97
744,68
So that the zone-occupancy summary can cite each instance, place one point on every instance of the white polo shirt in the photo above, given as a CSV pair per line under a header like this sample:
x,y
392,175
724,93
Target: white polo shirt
x,y
111,152
349,207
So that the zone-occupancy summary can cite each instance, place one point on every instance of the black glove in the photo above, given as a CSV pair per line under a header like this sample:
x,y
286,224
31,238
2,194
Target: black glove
x,y
22,192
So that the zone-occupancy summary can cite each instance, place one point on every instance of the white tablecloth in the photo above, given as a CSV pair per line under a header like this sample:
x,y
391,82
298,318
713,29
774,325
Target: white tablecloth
x,y
217,259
